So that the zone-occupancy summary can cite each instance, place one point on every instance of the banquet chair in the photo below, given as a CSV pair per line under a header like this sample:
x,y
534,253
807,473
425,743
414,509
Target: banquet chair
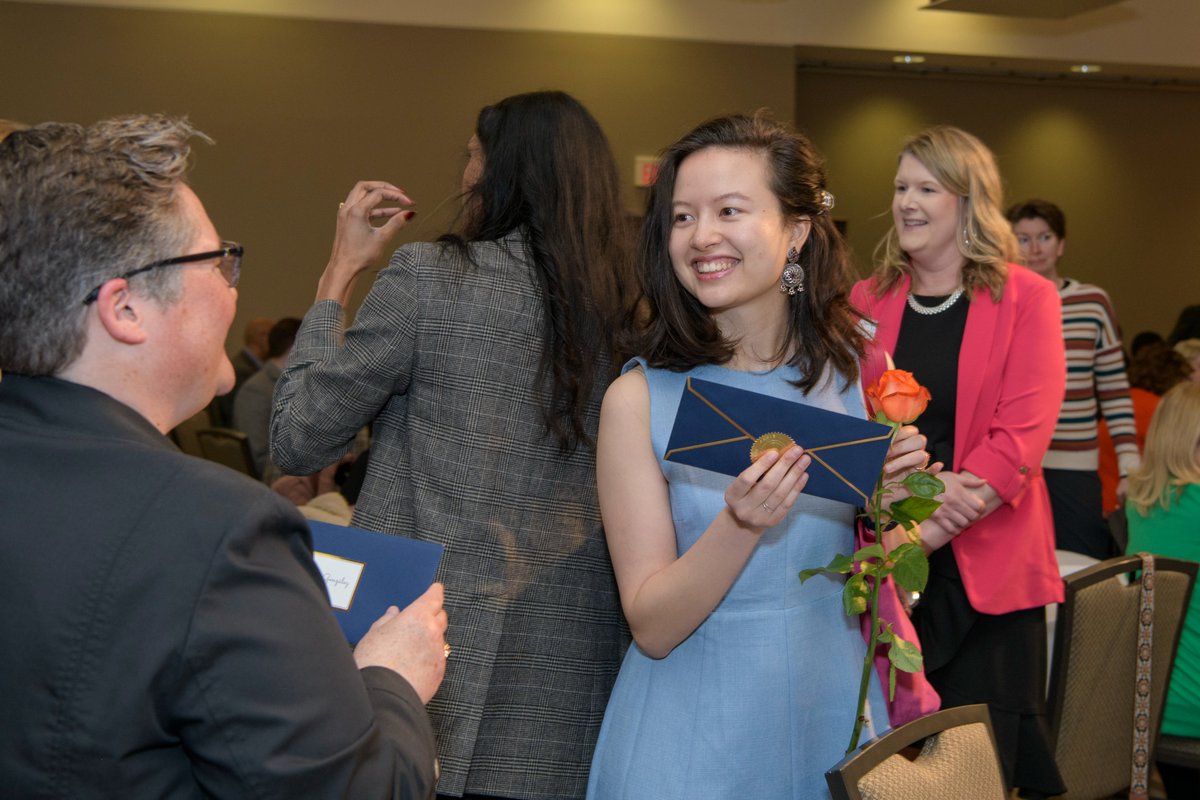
x,y
1182,751
1106,700
184,434
227,446
957,760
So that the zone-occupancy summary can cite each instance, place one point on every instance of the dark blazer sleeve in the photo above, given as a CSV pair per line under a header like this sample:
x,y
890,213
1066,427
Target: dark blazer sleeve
x,y
272,703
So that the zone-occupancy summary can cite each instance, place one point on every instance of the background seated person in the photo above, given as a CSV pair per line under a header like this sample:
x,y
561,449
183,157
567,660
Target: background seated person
x,y
252,402
246,362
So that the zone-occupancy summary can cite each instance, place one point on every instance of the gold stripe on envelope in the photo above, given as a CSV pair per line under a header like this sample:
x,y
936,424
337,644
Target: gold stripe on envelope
x,y
705,444
746,435
837,474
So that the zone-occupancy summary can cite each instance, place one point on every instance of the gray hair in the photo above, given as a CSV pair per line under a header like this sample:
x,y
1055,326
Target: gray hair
x,y
78,207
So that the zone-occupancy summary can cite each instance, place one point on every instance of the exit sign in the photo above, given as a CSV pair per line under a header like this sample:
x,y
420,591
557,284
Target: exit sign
x,y
645,170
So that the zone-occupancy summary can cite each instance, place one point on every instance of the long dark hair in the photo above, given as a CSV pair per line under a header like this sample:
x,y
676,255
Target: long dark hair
x,y
823,329
548,172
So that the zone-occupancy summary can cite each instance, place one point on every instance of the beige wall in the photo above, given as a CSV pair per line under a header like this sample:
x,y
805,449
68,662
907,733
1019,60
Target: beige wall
x,y
302,109
1122,163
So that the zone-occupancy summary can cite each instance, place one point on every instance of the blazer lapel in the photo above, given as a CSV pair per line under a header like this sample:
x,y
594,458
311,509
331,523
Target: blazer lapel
x,y
889,311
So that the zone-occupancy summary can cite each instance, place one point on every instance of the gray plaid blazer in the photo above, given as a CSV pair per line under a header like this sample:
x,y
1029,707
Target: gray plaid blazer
x,y
442,359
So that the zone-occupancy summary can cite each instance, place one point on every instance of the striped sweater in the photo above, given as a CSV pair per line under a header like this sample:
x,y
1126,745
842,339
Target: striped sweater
x,y
1096,383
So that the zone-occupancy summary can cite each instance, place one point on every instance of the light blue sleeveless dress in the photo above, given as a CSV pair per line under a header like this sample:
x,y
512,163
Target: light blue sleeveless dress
x,y
759,701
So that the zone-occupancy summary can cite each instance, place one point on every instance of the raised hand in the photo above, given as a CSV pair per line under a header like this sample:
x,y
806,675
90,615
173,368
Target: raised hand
x,y
359,242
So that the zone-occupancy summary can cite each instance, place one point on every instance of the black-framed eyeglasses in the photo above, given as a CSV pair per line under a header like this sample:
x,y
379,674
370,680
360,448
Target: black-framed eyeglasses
x,y
230,265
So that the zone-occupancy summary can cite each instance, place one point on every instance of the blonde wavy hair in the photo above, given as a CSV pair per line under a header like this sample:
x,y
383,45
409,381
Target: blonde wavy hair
x,y
965,166
1190,350
1172,457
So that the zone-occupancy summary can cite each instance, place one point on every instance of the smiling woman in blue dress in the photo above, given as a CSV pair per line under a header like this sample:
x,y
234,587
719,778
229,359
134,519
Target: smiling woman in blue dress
x,y
739,675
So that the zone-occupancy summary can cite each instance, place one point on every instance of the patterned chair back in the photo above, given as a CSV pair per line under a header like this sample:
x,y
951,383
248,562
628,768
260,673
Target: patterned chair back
x,y
957,760
1106,696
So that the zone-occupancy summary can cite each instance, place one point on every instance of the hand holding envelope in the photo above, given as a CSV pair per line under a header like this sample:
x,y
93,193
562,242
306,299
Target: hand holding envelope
x,y
763,494
410,642
384,598
365,572
716,425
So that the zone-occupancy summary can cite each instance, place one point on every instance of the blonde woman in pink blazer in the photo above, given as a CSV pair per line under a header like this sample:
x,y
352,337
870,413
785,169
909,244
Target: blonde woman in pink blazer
x,y
985,336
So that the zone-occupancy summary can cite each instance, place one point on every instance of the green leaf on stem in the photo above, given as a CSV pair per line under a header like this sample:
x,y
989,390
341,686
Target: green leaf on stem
x,y
910,567
891,682
922,484
855,595
914,509
904,655
870,551
839,565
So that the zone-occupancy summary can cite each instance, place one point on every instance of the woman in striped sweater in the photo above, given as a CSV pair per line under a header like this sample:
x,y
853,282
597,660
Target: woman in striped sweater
x,y
1096,386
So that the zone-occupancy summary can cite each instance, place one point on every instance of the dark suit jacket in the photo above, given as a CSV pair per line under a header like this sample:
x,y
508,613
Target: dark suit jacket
x,y
165,633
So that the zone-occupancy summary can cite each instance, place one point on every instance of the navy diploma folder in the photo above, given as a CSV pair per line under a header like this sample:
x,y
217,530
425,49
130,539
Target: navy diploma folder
x,y
365,572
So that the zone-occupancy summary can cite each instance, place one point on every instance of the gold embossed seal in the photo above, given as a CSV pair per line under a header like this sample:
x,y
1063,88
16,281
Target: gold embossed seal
x,y
770,441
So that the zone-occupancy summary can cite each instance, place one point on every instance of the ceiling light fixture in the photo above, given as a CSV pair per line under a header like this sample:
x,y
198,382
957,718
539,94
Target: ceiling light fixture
x,y
908,58
1086,69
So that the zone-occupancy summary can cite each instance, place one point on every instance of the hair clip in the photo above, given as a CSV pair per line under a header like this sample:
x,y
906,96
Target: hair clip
x,y
827,200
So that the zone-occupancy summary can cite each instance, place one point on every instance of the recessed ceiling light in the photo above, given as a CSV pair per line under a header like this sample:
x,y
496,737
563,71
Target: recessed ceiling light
x,y
1086,69
908,58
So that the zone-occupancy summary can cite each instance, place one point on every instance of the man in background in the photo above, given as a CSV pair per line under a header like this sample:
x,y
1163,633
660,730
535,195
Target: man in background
x,y
166,633
246,362
253,401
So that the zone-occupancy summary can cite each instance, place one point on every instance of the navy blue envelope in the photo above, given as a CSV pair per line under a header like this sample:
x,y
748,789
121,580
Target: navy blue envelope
x,y
365,572
716,425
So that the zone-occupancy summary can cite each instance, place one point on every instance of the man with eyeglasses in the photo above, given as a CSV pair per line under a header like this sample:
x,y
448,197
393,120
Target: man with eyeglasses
x,y
165,632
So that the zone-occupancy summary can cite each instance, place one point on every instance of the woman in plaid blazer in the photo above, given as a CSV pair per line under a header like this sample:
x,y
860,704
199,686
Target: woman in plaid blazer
x,y
479,361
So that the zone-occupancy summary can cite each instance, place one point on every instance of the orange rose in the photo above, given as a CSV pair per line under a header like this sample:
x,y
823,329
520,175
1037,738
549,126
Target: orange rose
x,y
898,395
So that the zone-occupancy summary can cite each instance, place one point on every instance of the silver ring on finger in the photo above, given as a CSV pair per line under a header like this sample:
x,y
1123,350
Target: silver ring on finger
x,y
768,509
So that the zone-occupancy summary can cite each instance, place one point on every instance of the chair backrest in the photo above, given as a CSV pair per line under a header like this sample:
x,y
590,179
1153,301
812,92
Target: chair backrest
x,y
958,759
227,446
1093,681
184,434
1182,751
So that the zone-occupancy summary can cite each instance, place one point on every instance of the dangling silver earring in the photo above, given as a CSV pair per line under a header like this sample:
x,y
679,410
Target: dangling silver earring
x,y
966,236
792,280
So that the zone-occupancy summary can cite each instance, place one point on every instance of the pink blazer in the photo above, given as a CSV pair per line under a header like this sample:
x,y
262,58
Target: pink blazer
x,y
1011,380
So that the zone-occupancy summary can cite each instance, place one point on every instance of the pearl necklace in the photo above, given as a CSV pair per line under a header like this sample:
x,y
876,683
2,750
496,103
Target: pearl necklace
x,y
939,308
